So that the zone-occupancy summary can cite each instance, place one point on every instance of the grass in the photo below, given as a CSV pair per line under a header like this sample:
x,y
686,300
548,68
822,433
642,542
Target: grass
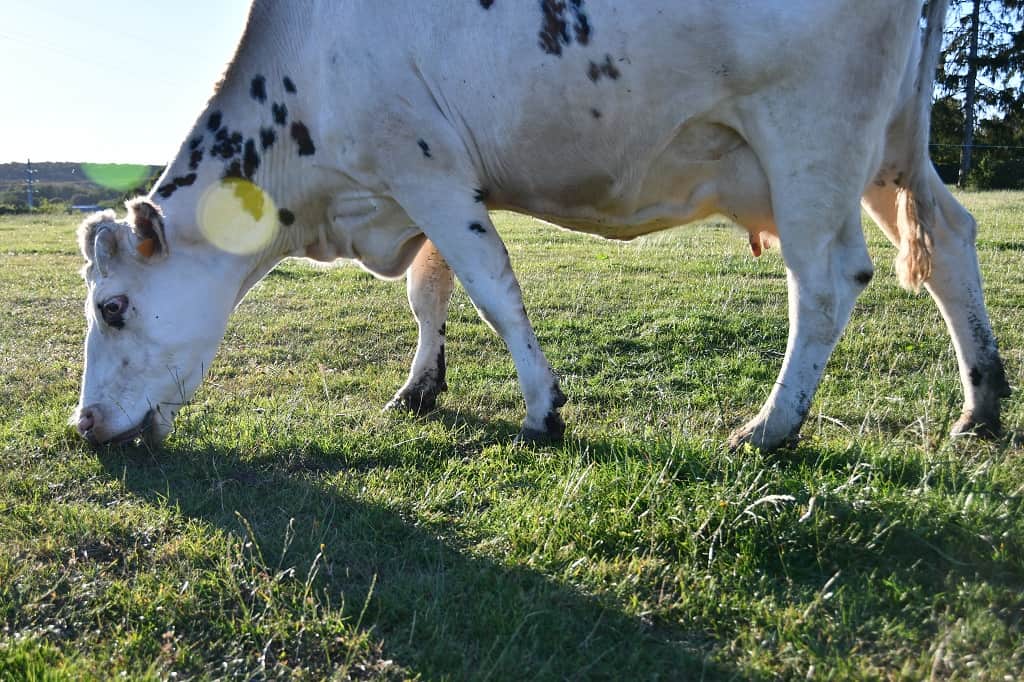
x,y
288,529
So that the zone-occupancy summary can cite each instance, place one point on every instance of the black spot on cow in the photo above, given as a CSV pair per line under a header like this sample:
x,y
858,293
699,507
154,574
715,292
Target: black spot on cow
x,y
267,138
424,147
486,4
233,171
581,24
251,159
595,113
554,29
442,370
595,71
300,133
280,113
195,158
976,376
168,189
228,144
258,89
222,148
481,195
289,86
213,122
477,227
864,277
195,142
286,217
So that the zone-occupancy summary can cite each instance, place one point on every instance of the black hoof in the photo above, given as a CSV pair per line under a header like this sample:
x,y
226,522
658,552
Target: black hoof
x,y
553,432
417,402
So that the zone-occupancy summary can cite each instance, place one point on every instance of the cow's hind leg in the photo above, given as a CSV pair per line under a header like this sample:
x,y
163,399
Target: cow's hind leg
x,y
826,269
429,284
955,285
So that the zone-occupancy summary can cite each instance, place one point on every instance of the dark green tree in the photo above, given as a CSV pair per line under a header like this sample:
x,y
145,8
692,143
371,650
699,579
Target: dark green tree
x,y
980,70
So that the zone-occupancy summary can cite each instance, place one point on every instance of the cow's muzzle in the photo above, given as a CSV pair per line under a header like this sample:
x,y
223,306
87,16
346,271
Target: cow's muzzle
x,y
89,427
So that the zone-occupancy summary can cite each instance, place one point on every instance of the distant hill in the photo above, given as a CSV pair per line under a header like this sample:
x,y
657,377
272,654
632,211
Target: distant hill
x,y
59,185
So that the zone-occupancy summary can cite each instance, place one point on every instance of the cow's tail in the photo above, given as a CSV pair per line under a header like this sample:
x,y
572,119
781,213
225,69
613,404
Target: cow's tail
x,y
915,202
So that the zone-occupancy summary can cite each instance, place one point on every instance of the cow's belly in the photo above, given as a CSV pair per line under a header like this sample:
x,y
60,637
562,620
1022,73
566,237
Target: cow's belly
x,y
706,169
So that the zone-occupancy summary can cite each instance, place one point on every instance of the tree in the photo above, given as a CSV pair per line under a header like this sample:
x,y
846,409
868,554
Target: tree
x,y
980,65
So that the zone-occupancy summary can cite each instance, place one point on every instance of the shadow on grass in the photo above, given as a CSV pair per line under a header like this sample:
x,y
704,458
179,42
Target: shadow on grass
x,y
443,612
437,609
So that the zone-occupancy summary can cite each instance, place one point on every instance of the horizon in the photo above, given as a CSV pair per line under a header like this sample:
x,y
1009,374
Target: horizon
x,y
119,67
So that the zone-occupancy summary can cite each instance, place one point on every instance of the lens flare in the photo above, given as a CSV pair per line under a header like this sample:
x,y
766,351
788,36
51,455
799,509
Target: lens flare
x,y
119,176
237,216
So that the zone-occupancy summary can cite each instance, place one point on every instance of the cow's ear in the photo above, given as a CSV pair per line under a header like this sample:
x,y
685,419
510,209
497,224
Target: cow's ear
x,y
147,224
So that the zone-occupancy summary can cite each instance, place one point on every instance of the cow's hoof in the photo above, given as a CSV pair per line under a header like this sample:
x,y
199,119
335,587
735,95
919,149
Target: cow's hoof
x,y
741,438
981,426
417,402
553,431
756,435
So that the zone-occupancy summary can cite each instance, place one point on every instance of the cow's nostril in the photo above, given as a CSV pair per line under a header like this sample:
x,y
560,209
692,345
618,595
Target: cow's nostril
x,y
86,420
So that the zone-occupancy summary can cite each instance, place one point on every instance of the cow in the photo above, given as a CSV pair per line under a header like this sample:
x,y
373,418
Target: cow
x,y
354,131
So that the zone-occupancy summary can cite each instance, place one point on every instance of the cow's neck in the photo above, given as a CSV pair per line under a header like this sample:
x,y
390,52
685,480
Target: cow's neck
x,y
257,128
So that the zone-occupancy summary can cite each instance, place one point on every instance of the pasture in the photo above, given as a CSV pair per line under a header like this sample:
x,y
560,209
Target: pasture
x,y
290,530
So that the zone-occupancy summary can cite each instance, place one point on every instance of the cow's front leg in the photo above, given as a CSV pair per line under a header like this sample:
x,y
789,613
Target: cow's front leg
x,y
429,284
463,234
825,270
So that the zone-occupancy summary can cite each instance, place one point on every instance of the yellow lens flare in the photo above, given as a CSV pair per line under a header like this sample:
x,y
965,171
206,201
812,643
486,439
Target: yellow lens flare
x,y
119,176
237,216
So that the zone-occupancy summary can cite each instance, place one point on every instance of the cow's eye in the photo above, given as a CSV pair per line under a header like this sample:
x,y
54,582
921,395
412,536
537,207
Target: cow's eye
x,y
113,310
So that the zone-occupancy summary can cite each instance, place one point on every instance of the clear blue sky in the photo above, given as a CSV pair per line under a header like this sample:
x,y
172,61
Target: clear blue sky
x,y
110,80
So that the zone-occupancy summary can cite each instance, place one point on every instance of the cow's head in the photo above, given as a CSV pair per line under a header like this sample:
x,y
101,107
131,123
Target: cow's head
x,y
156,313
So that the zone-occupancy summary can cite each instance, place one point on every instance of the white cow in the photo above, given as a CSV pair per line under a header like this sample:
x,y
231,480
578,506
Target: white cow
x,y
385,132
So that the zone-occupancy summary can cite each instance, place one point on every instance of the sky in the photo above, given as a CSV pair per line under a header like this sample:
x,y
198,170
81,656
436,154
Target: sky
x,y
109,81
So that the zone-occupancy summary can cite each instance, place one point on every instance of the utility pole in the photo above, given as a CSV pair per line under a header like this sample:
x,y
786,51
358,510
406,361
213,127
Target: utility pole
x,y
29,180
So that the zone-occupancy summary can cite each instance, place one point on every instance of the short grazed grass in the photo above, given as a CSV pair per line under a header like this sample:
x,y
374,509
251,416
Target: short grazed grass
x,y
288,529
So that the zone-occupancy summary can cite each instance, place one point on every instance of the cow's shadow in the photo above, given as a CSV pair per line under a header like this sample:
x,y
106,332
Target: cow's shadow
x,y
421,574
418,575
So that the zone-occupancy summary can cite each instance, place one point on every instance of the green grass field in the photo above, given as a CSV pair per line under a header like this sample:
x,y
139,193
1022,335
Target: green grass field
x,y
289,529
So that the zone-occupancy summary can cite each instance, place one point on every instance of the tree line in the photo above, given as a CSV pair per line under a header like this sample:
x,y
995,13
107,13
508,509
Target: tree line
x,y
978,118
56,186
